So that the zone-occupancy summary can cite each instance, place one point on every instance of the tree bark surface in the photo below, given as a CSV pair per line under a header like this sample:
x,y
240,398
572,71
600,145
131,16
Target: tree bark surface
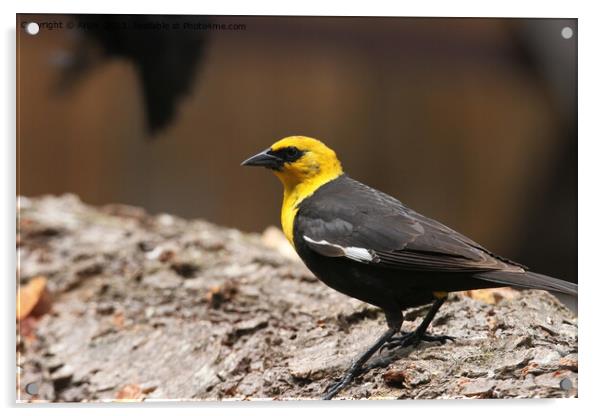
x,y
138,307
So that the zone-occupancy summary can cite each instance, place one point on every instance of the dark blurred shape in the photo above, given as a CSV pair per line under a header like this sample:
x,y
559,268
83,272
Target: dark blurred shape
x,y
166,60
551,62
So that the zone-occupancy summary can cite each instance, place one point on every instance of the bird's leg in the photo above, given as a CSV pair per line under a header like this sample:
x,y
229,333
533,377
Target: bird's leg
x,y
356,365
414,337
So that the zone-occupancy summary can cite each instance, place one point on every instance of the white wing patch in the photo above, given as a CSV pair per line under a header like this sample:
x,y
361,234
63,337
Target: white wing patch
x,y
334,250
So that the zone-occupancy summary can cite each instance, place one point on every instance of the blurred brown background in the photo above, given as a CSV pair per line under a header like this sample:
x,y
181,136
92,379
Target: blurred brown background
x,y
470,121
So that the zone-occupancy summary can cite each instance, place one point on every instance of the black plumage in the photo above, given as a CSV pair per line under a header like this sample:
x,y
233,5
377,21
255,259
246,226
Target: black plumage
x,y
368,245
412,256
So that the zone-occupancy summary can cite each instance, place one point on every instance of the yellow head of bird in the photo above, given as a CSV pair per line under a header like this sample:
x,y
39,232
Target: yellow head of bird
x,y
299,160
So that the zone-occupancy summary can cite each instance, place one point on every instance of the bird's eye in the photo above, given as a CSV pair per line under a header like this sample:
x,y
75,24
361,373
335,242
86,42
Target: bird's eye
x,y
292,153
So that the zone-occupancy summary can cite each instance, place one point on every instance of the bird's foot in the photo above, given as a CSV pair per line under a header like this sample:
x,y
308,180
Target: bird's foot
x,y
334,388
408,339
405,340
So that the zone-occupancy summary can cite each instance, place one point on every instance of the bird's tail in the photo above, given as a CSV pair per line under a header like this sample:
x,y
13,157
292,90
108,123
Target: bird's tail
x,y
530,280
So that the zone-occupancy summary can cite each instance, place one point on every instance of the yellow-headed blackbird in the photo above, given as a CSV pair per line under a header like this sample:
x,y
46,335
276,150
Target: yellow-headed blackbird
x,y
368,245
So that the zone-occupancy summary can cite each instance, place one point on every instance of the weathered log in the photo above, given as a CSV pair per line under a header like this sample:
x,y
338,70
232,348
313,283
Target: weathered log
x,y
157,307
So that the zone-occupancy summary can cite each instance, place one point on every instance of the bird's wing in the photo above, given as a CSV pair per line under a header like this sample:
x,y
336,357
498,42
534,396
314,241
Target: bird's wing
x,y
348,219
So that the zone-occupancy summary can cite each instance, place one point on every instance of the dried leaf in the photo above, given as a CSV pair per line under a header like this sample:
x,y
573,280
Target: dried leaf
x,y
130,393
492,296
395,378
29,296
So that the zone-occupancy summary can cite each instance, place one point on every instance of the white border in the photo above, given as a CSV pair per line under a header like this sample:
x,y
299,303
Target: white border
x,y
590,208
518,8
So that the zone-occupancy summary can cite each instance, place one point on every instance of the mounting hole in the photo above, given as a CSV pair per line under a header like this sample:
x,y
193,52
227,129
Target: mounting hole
x,y
32,28
566,384
32,388
566,32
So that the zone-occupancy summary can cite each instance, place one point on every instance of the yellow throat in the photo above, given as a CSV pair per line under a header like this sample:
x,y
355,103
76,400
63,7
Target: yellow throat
x,y
318,165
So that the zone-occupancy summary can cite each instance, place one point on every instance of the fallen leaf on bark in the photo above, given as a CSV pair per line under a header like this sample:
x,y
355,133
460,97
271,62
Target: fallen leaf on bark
x,y
32,298
492,296
130,393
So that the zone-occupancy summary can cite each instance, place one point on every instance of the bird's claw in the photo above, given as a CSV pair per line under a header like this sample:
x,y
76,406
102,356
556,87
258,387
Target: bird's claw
x,y
334,388
412,338
438,338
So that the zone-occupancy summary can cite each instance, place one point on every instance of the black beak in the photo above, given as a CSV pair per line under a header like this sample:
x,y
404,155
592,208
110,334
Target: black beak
x,y
264,159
